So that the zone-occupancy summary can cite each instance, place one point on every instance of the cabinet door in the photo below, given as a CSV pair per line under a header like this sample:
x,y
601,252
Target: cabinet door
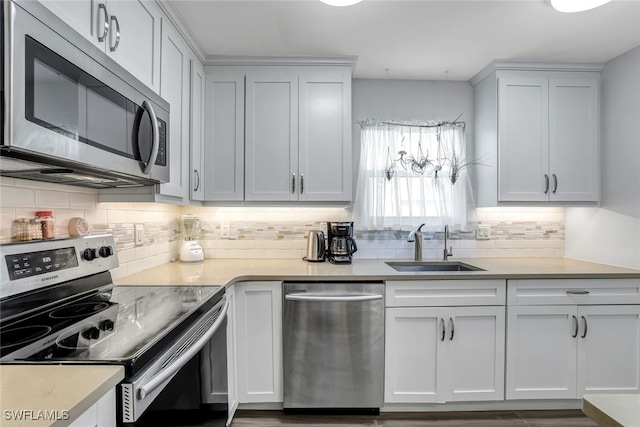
x,y
573,139
82,16
415,363
271,156
325,137
476,353
523,139
609,349
259,341
138,49
232,354
196,130
541,352
224,135
174,88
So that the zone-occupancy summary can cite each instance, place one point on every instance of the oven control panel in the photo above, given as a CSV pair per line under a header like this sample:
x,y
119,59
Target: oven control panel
x,y
43,263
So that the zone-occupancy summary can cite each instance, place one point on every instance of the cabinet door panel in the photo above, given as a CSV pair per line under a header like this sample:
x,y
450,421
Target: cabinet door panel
x,y
175,89
609,354
523,139
82,16
415,366
573,139
541,352
259,341
224,147
196,131
232,354
476,353
271,156
325,137
139,47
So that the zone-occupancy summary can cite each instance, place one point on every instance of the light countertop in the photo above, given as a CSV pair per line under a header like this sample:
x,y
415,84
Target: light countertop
x,y
60,389
222,272
613,410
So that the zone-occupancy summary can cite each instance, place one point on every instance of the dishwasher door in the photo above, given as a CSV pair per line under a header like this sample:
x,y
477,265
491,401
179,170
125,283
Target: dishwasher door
x,y
333,339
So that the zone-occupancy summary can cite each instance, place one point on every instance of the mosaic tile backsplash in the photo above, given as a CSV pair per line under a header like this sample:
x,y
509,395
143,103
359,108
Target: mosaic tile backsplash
x,y
269,232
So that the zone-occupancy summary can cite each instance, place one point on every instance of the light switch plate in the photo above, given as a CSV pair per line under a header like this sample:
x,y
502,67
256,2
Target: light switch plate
x,y
225,230
138,234
483,232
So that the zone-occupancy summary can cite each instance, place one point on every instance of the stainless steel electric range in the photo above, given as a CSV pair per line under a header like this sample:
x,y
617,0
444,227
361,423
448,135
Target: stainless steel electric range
x,y
58,304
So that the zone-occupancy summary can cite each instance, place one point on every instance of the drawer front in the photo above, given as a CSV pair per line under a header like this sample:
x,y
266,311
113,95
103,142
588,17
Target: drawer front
x,y
573,291
442,293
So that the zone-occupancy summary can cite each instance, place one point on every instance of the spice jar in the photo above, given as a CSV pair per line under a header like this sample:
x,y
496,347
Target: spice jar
x,y
47,224
22,229
35,229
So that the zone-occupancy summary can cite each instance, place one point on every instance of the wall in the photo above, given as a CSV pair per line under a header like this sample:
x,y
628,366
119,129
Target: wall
x,y
611,234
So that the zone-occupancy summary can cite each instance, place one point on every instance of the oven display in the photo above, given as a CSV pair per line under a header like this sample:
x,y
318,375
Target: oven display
x,y
24,265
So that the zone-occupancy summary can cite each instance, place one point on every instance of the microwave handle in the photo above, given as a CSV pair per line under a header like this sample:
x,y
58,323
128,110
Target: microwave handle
x,y
155,138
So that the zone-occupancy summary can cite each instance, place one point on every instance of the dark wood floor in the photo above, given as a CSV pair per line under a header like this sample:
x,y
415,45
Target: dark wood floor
x,y
573,418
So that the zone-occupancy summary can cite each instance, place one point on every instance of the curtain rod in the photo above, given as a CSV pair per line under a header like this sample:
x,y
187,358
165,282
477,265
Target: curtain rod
x,y
414,125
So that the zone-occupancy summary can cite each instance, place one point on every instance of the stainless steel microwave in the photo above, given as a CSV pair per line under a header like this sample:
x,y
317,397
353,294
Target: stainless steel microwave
x,y
71,114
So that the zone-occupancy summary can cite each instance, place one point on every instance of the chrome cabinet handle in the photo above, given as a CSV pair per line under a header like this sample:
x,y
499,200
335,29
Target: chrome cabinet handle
x,y
452,326
578,292
301,183
196,176
546,183
444,331
293,183
584,322
155,139
331,298
575,327
105,28
115,46
178,363
555,183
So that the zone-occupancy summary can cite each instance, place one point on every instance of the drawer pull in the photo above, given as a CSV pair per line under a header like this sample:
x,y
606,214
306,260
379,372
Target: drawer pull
x,y
578,292
575,327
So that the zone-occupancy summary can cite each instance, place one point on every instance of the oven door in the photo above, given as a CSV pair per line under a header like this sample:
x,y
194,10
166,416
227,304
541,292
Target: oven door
x,y
195,359
68,105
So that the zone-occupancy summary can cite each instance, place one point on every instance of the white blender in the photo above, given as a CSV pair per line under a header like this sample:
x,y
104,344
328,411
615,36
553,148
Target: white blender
x,y
190,251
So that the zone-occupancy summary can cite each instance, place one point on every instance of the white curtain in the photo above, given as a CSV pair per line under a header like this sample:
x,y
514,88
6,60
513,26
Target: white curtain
x,y
390,195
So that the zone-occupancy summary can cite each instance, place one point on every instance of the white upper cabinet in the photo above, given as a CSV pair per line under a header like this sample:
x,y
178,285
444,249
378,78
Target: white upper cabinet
x,y
537,133
129,31
278,133
224,137
196,130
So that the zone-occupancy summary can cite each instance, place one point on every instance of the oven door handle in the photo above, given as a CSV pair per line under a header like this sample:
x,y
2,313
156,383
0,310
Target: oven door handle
x,y
174,367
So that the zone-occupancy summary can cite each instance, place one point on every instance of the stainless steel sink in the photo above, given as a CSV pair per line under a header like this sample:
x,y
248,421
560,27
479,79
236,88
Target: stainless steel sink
x,y
432,266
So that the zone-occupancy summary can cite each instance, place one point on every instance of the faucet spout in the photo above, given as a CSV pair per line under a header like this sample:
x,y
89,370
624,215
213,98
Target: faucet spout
x,y
447,252
416,236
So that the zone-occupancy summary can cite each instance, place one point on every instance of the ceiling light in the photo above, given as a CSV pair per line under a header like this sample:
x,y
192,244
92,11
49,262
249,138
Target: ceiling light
x,y
576,5
340,2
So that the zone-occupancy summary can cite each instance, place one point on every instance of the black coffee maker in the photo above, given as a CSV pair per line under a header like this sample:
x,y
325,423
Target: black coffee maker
x,y
340,242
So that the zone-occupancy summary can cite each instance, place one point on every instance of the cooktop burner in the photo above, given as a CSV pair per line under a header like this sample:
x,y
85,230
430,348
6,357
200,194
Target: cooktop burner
x,y
23,335
78,310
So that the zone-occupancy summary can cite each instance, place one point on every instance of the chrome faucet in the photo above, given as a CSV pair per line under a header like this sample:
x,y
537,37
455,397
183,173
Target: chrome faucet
x,y
416,236
447,253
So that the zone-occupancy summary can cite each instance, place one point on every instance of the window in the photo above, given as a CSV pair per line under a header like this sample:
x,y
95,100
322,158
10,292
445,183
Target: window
x,y
413,173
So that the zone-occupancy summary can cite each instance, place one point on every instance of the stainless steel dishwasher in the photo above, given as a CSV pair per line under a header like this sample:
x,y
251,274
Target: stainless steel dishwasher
x,y
333,338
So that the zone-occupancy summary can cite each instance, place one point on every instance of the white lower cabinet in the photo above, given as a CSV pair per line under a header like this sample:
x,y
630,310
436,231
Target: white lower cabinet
x,y
441,346
100,414
566,351
232,353
443,354
259,341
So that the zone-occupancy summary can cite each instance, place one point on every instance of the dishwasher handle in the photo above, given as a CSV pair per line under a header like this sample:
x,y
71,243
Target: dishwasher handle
x,y
176,365
331,298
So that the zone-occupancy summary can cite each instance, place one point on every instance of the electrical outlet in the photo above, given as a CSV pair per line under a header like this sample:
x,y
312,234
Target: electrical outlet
x,y
225,230
483,232
138,234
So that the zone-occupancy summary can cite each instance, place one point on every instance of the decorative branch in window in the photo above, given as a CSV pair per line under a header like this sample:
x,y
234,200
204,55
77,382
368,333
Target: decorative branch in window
x,y
421,163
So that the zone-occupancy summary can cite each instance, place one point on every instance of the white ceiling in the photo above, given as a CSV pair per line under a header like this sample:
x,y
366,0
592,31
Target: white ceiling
x,y
419,39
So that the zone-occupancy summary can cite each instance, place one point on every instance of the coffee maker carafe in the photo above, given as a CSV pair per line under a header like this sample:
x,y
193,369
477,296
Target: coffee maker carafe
x,y
341,243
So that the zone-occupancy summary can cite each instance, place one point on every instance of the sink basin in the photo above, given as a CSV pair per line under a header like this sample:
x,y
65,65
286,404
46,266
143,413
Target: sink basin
x,y
432,266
